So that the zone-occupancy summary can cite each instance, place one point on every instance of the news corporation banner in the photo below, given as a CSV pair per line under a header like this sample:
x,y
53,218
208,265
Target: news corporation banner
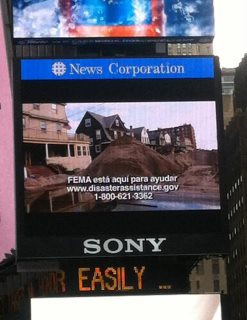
x,y
141,68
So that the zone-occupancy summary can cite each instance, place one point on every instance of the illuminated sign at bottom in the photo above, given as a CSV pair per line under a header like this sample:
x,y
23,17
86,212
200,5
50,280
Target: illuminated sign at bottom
x,y
128,276
191,307
109,279
106,276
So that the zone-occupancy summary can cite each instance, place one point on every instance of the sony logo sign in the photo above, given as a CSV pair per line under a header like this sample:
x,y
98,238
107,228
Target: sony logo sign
x,y
115,245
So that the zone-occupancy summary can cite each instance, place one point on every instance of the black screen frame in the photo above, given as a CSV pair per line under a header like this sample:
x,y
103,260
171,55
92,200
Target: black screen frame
x,y
42,236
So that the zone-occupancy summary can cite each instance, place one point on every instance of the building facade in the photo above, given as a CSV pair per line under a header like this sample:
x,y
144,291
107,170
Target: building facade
x,y
140,134
190,49
236,183
101,130
7,184
240,81
47,140
175,139
209,276
227,80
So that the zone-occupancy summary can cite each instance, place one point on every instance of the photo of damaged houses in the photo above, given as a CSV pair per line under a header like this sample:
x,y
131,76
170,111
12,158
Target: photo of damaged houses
x,y
101,145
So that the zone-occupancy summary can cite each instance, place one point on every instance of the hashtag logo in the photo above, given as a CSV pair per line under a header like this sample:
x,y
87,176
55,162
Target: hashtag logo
x,y
58,68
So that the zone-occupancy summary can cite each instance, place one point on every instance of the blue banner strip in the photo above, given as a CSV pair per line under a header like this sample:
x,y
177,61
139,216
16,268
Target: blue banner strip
x,y
117,68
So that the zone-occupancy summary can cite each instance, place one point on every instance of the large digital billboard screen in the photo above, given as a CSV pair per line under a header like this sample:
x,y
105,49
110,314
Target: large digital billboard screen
x,y
84,19
114,148
191,307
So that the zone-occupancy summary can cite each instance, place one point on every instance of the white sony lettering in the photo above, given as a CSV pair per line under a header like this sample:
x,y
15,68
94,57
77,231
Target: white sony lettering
x,y
156,245
114,245
92,246
137,244
112,240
